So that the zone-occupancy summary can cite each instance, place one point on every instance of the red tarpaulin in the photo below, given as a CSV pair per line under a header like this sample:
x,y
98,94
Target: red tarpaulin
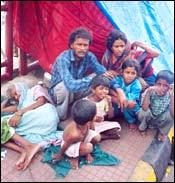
x,y
42,28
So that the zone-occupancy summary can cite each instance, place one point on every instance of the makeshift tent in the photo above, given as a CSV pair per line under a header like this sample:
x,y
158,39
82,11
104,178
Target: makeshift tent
x,y
42,28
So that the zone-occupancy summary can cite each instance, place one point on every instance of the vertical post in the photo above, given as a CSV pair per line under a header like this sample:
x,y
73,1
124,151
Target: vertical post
x,y
23,63
9,39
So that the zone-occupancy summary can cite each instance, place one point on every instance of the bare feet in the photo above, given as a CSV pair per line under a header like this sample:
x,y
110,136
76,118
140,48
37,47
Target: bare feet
x,y
89,158
162,137
132,127
19,163
31,151
74,163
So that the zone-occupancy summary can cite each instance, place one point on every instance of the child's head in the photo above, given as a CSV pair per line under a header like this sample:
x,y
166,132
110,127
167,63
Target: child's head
x,y
100,86
83,111
164,79
130,70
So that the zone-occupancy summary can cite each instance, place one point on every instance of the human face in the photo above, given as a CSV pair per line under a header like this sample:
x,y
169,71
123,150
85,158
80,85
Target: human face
x,y
100,92
80,47
118,47
129,74
163,87
13,94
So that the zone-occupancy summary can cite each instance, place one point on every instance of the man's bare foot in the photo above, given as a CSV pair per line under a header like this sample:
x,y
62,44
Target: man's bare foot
x,y
89,158
19,163
31,151
74,163
132,127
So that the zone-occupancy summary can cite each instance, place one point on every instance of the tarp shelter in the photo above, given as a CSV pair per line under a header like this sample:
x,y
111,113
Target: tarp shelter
x,y
41,28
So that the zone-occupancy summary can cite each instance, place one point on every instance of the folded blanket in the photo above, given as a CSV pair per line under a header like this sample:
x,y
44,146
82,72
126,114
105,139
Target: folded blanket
x,y
63,166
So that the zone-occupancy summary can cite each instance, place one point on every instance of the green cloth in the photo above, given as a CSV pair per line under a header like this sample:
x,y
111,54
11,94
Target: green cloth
x,y
63,167
6,131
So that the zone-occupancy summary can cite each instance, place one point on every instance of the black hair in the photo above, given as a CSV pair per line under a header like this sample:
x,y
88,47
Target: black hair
x,y
100,80
83,111
113,36
79,32
165,75
131,63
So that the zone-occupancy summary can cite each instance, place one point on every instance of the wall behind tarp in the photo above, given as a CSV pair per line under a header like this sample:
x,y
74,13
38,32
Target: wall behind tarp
x,y
42,28
148,21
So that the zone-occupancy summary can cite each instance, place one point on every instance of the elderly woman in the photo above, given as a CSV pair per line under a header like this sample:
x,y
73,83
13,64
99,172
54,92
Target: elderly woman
x,y
35,118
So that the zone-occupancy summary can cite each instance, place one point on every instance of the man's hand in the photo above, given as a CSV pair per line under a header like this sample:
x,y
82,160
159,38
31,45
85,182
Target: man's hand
x,y
14,120
98,119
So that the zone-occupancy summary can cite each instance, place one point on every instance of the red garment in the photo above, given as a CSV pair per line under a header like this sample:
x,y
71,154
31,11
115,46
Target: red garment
x,y
146,67
42,28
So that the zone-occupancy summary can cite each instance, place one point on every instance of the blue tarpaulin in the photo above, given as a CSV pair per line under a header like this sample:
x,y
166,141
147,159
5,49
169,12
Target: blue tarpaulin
x,y
149,21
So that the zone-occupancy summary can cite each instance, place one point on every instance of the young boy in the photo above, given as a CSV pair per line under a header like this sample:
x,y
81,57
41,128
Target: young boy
x,y
12,140
127,90
100,96
77,137
158,105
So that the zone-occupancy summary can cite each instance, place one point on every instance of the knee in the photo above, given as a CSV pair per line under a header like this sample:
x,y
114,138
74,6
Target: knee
x,y
89,147
142,114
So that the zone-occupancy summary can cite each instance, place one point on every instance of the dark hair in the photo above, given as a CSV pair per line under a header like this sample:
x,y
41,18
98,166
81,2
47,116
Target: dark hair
x,y
79,32
131,63
100,80
83,111
165,75
113,36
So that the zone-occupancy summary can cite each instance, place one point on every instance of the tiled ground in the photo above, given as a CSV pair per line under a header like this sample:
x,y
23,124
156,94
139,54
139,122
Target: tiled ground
x,y
129,149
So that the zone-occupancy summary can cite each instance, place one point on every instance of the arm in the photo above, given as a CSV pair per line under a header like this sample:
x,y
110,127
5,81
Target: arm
x,y
39,102
116,84
153,53
12,108
110,111
72,84
171,92
146,100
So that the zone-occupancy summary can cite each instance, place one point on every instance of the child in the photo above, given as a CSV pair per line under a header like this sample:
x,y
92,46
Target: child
x,y
77,137
128,90
100,90
8,139
158,105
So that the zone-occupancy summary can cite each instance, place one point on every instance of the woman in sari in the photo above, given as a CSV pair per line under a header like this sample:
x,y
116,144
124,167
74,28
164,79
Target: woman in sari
x,y
119,49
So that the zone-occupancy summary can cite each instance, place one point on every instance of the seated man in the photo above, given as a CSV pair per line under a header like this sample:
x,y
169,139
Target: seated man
x,y
69,79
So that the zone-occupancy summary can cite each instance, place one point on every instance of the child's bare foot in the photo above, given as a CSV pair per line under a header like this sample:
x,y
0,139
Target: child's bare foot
x,y
132,127
31,151
89,158
19,163
162,137
74,163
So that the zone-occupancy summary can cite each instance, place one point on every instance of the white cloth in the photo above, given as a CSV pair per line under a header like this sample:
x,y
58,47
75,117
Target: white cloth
x,y
73,150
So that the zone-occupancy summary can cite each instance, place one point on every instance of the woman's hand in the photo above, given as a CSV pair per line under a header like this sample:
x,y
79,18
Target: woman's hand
x,y
14,120
131,103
